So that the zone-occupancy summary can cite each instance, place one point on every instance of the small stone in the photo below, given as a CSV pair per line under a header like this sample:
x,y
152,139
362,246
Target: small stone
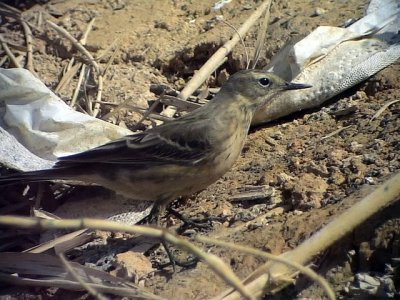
x,y
369,158
277,135
163,25
132,265
318,11
212,22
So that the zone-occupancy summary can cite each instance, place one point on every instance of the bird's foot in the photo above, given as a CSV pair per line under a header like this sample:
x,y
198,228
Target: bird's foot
x,y
173,261
204,223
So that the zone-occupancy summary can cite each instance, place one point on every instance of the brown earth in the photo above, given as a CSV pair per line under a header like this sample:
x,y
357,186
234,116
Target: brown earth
x,y
311,179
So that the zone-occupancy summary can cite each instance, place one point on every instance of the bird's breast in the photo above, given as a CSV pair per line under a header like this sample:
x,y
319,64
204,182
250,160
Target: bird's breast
x,y
232,146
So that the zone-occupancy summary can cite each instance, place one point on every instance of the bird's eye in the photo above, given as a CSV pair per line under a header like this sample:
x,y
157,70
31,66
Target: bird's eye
x,y
264,81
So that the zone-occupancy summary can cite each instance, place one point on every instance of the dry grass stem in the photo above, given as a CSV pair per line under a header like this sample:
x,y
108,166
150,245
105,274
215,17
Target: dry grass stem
x,y
16,14
11,9
305,270
215,60
179,103
29,45
78,86
110,61
108,103
381,197
382,109
124,292
44,270
262,32
67,77
107,50
241,41
85,35
146,114
91,290
214,262
63,243
335,132
102,76
96,106
69,66
10,55
3,60
76,43
82,73
134,108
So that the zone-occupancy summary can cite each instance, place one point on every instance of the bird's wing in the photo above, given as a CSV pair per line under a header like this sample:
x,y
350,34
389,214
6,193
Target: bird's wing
x,y
177,142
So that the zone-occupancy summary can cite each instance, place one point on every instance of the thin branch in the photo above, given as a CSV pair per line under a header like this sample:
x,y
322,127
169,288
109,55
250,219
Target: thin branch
x,y
147,113
29,45
242,41
3,60
262,32
91,290
67,77
214,61
305,270
96,107
382,196
76,43
78,86
10,55
85,35
215,263
382,109
335,132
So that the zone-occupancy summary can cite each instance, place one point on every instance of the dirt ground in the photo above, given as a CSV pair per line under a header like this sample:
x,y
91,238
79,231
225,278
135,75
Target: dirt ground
x,y
308,180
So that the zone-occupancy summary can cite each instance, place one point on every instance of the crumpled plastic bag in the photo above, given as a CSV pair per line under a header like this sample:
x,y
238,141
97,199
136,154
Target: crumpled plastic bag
x,y
333,59
43,126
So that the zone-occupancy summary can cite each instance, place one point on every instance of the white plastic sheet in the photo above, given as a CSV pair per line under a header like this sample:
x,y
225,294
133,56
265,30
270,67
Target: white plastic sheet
x,y
43,123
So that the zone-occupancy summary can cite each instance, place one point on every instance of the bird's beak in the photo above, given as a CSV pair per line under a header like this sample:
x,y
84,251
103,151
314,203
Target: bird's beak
x,y
295,86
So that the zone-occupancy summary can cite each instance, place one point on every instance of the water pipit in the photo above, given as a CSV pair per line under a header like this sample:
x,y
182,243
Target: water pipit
x,y
179,157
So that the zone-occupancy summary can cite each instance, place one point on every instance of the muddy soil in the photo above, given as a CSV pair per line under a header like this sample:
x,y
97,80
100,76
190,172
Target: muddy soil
x,y
309,180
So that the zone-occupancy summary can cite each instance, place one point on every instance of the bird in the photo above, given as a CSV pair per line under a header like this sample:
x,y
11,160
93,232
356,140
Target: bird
x,y
177,158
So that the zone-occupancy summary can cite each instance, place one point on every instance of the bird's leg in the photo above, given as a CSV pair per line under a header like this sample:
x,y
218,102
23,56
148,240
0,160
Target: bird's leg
x,y
154,218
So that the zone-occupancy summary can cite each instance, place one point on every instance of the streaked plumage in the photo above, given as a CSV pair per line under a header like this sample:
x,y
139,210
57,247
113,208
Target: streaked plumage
x,y
177,158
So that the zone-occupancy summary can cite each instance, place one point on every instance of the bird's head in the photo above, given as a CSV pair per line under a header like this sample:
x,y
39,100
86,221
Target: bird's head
x,y
256,87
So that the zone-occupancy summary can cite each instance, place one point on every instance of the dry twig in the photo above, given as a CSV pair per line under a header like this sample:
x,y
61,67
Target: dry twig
x,y
262,32
3,60
76,43
67,77
91,290
381,197
335,132
78,86
10,55
305,270
241,40
215,60
16,14
214,262
29,46
382,109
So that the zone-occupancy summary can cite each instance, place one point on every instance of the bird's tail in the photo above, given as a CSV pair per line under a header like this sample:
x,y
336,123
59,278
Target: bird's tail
x,y
34,176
